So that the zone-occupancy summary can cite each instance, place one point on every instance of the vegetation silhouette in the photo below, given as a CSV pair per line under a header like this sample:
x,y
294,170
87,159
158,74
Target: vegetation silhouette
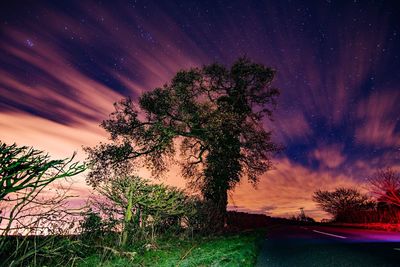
x,y
385,184
32,217
28,168
343,202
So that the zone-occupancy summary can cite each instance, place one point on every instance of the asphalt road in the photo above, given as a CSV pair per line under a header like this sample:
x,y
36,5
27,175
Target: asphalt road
x,y
329,246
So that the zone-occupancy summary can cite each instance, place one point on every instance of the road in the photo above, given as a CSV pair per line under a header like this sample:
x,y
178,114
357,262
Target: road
x,y
329,246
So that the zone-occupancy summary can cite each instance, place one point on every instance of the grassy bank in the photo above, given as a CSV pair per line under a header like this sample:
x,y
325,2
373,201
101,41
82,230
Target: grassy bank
x,y
228,250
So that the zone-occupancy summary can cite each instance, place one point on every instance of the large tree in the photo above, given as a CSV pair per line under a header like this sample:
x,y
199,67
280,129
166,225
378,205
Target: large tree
x,y
215,114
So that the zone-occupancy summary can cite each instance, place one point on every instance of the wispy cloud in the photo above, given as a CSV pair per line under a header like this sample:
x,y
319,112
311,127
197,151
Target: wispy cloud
x,y
330,156
379,119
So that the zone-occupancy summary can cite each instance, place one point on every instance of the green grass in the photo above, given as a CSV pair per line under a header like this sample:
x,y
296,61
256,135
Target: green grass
x,y
228,250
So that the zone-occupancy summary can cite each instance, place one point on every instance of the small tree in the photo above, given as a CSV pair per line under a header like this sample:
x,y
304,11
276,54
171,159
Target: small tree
x,y
385,184
343,203
141,204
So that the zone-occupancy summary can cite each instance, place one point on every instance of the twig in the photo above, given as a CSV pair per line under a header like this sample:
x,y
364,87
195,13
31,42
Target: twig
x,y
186,254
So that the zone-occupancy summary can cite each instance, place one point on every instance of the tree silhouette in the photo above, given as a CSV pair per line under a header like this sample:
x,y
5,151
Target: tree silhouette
x,y
214,113
385,184
342,203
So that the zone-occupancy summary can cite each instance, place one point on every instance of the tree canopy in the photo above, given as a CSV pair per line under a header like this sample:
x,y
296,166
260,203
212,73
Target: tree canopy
x,y
214,113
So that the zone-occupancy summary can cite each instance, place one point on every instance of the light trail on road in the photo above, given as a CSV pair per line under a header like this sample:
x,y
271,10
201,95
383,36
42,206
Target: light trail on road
x,y
338,236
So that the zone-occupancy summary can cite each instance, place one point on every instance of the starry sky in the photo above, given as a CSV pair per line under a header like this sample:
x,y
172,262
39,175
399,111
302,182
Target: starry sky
x,y
63,64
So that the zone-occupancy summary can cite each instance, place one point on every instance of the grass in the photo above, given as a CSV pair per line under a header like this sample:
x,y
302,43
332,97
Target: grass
x,y
225,250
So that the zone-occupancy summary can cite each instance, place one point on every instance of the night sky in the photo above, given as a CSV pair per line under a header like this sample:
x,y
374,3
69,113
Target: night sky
x,y
63,64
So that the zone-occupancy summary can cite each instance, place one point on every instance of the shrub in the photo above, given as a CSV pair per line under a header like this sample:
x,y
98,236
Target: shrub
x,y
141,209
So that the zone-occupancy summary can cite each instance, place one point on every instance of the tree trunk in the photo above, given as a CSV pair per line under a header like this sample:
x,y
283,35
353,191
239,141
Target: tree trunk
x,y
127,217
222,170
216,198
217,212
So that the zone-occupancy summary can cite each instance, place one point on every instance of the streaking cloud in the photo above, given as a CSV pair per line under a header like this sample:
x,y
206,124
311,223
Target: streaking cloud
x,y
63,65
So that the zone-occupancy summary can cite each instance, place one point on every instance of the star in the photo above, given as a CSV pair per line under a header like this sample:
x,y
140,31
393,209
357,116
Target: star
x,y
29,43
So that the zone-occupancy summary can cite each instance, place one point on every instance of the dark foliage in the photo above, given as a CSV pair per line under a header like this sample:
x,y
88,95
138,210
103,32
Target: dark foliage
x,y
385,184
